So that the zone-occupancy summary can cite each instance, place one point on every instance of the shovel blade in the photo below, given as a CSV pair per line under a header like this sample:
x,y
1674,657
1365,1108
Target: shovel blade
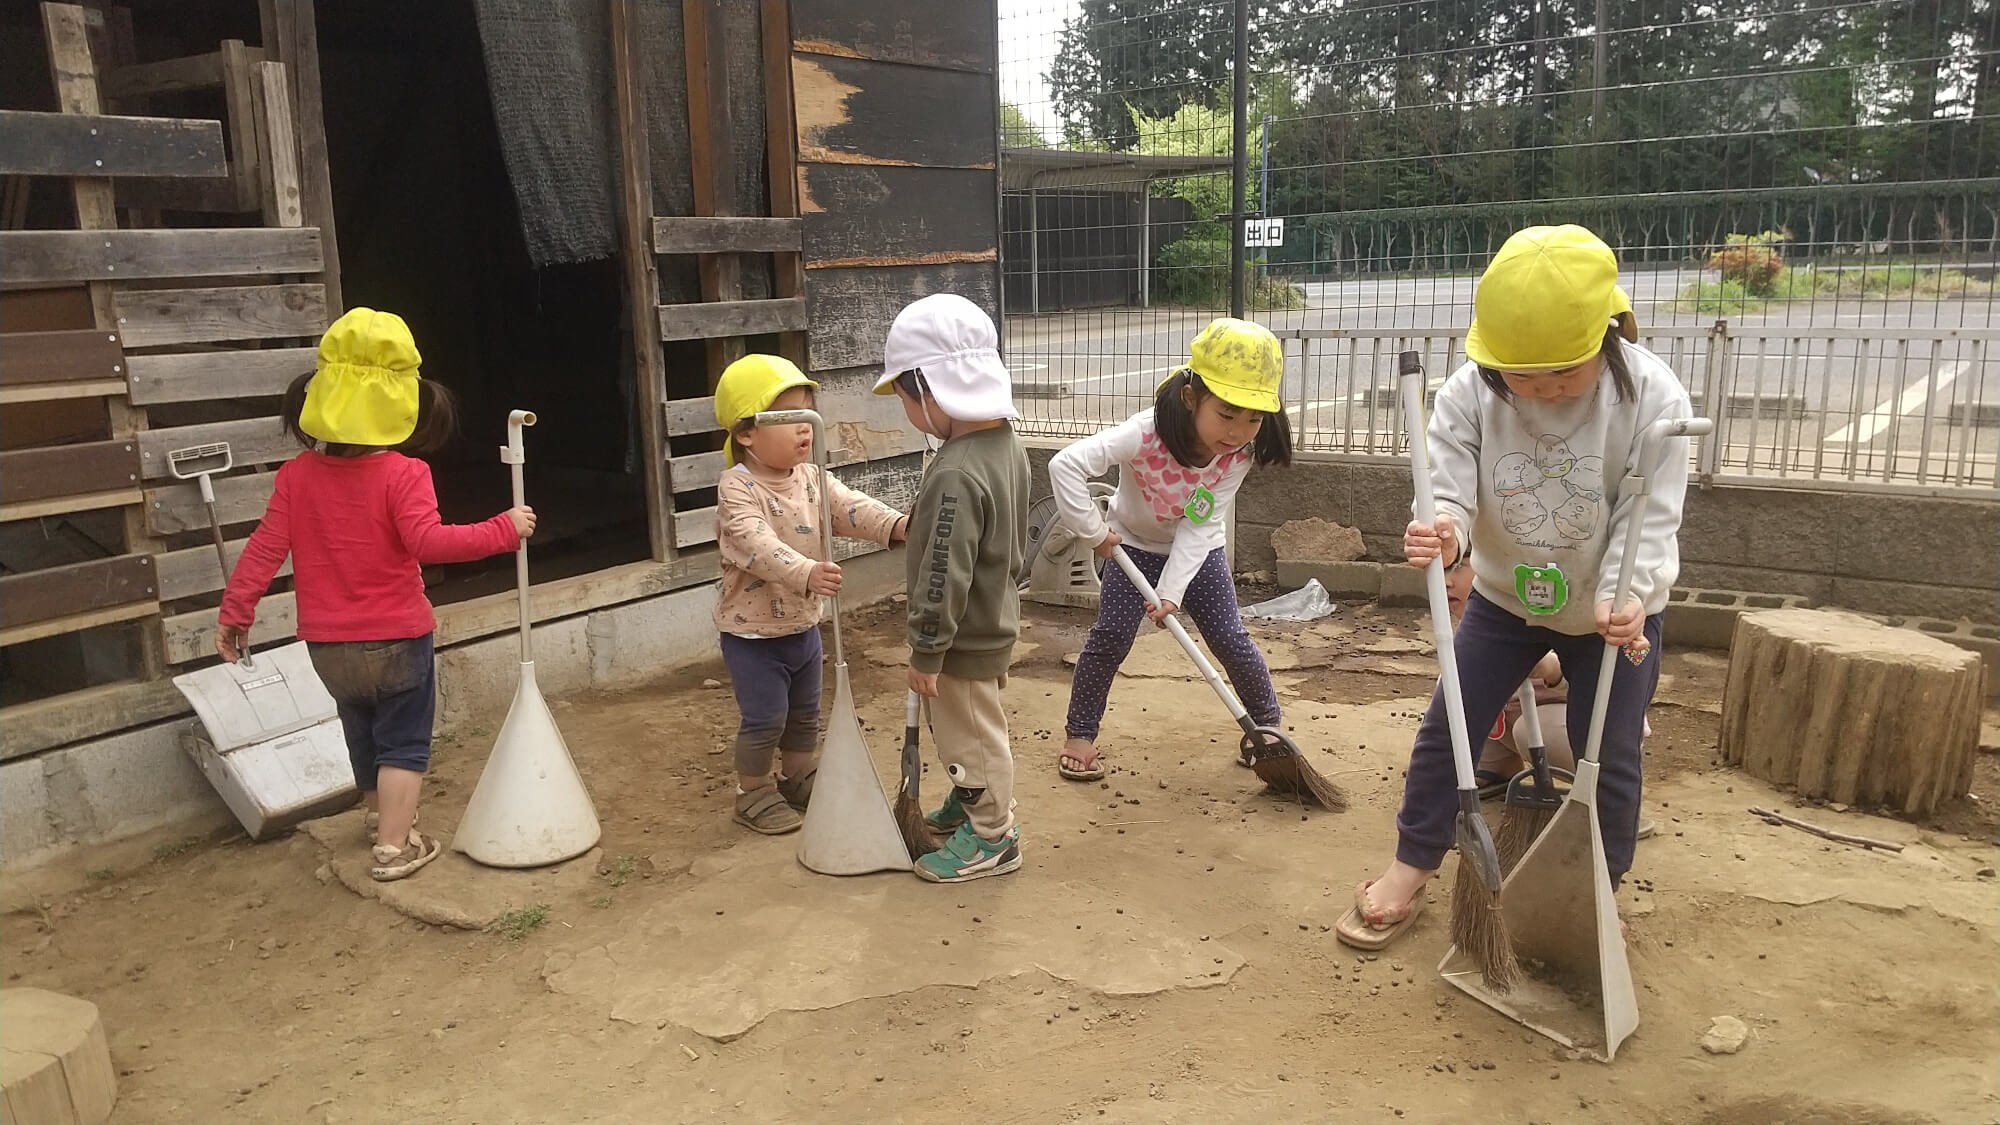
x,y
530,807
849,827
1576,985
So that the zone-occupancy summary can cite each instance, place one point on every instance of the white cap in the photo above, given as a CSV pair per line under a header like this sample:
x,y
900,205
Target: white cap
x,y
953,342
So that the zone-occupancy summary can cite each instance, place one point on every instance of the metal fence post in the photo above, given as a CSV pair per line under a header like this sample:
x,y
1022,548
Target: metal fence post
x,y
1708,453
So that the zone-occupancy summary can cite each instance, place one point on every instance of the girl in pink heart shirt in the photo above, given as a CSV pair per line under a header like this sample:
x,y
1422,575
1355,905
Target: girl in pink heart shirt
x,y
1179,466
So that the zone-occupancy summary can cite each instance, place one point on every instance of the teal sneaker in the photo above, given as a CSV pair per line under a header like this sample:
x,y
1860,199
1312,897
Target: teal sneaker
x,y
947,817
965,857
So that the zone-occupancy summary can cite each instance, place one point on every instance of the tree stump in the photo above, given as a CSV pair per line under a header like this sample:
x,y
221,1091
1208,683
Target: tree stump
x,y
54,1062
1850,710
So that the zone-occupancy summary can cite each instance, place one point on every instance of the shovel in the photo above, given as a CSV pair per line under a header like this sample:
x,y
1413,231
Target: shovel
x,y
849,829
1562,914
530,807
198,463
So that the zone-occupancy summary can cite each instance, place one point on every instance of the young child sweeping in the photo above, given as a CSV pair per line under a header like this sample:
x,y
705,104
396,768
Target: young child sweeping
x,y
767,609
359,517
1529,443
969,540
1179,466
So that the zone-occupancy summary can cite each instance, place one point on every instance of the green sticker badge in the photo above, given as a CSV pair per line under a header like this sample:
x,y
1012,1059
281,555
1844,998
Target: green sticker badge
x,y
1542,589
1200,506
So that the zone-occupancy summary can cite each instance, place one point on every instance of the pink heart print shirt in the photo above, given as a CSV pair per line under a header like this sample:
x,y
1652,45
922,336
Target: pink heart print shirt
x,y
1149,511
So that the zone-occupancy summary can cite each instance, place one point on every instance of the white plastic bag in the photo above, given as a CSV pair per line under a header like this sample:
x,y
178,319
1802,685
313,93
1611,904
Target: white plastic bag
x,y
1309,602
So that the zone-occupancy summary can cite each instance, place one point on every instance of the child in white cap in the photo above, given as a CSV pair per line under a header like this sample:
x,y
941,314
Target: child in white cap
x,y
968,543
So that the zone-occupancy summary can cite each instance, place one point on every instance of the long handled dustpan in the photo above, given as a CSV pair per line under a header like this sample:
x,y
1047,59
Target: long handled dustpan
x,y
849,828
530,807
1562,914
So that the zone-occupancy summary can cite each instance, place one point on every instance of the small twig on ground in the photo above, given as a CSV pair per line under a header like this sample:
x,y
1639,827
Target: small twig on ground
x,y
1128,823
1869,842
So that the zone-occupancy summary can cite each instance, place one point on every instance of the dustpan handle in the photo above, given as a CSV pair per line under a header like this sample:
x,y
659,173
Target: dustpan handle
x,y
818,424
1411,370
515,454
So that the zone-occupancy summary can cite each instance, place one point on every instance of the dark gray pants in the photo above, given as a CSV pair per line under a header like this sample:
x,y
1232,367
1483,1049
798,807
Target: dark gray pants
x,y
777,681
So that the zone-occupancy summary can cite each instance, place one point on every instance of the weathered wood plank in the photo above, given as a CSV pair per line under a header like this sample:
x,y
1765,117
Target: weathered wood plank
x,y
239,91
77,623
191,571
855,111
567,597
195,72
50,392
781,155
191,636
75,144
216,197
252,441
861,425
175,508
641,274
75,591
153,317
692,529
203,376
296,25
710,234
279,187
41,258
28,475
852,308
956,37
30,728
873,215
694,471
87,354
712,168
686,417
714,320
63,505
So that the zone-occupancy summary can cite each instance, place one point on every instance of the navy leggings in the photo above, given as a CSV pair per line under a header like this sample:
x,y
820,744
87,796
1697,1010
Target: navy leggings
x,y
1496,650
777,681
1210,602
386,694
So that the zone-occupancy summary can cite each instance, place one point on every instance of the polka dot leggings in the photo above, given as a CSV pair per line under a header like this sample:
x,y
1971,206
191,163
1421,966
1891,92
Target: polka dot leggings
x,y
1210,602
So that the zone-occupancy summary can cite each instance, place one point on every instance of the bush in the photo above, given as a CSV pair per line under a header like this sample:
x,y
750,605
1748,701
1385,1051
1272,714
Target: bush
x,y
1751,260
1194,271
1275,293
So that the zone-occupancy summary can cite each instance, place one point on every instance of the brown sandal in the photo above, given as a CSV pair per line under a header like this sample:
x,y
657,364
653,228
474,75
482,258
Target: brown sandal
x,y
798,791
765,810
1355,928
393,863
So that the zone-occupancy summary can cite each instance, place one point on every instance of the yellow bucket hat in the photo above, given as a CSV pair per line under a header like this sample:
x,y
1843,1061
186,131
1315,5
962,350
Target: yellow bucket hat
x,y
1241,362
1545,301
364,388
749,385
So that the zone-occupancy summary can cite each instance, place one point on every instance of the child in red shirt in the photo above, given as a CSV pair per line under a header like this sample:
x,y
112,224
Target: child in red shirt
x,y
359,518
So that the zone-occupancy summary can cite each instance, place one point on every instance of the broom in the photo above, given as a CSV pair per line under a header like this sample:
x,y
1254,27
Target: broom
x,y
909,805
1532,797
1477,927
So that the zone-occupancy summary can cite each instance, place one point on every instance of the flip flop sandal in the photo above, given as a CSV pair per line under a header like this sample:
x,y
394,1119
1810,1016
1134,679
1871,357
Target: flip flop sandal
x,y
765,810
1092,771
1647,827
393,863
1353,928
798,791
1492,783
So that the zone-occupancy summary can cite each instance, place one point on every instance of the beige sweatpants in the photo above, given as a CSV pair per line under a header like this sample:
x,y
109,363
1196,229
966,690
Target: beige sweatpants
x,y
969,729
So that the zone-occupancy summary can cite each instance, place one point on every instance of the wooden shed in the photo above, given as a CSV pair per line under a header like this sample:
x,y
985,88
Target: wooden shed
x,y
583,207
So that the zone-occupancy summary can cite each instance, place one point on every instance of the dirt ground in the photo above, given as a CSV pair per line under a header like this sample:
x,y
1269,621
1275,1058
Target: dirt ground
x,y
1164,955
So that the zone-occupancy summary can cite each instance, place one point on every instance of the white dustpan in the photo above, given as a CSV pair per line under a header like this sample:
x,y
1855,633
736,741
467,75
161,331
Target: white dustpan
x,y
849,827
1561,913
530,807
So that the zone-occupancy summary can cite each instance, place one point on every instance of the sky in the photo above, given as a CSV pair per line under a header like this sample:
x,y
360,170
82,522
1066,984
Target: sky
x,y
1030,31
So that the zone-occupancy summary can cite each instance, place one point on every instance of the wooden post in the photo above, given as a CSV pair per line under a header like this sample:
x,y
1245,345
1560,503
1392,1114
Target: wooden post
x,y
642,282
781,157
712,154
74,71
1851,710
295,42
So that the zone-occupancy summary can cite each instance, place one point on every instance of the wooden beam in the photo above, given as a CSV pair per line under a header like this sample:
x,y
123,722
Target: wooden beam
x,y
85,354
239,94
192,571
28,475
64,505
855,111
781,156
719,319
899,31
174,508
686,417
850,306
30,728
252,441
695,471
877,215
75,144
280,190
77,623
691,529
716,234
297,27
712,160
153,317
191,636
642,282
52,392
31,259
168,76
73,592
204,376
215,197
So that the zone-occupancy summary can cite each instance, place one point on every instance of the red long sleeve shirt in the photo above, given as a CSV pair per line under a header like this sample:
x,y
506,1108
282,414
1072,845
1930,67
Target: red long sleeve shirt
x,y
358,530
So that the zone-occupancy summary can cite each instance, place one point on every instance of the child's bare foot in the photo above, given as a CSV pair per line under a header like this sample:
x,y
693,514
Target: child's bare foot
x,y
1383,908
1079,761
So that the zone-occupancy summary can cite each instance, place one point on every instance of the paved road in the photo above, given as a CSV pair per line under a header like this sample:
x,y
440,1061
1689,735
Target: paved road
x,y
1906,390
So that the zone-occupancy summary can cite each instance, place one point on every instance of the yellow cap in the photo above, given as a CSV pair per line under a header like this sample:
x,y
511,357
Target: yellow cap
x,y
1241,362
364,388
749,385
1545,301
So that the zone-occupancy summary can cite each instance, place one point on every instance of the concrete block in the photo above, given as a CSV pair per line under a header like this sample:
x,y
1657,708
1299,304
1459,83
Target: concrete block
x,y
1942,542
1916,599
476,681
1697,618
1344,581
24,803
639,641
1403,585
102,791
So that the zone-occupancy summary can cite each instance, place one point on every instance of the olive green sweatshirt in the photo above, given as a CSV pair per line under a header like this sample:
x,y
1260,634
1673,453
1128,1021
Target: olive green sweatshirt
x,y
968,545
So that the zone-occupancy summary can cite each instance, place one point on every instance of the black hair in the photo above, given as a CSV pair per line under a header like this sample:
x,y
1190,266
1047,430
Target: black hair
x,y
1173,419
913,383
437,421
1614,357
